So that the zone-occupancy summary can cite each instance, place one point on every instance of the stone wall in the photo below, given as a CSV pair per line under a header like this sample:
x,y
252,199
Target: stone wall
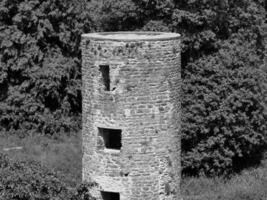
x,y
265,41
144,103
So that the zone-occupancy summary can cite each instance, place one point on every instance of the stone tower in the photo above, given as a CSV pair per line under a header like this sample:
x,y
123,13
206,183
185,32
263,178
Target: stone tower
x,y
265,35
131,115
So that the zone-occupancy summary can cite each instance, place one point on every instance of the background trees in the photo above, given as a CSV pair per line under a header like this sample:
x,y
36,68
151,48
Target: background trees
x,y
40,64
224,120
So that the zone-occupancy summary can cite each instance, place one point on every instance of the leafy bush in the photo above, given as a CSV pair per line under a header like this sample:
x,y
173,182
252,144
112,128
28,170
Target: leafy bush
x,y
28,180
224,120
63,155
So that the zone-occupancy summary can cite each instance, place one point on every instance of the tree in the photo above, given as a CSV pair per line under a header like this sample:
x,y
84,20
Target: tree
x,y
40,64
224,121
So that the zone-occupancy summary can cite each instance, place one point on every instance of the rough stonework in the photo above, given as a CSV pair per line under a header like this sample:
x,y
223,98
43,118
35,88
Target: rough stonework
x,y
131,115
265,41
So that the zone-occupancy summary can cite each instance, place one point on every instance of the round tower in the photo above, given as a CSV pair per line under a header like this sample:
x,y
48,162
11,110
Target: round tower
x,y
131,115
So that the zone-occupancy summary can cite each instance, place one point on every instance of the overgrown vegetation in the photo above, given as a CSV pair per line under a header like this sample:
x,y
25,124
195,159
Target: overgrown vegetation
x,y
224,113
40,76
224,120
63,155
29,180
250,185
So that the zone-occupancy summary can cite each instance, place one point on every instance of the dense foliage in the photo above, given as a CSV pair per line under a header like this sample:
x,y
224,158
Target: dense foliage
x,y
29,180
40,74
224,110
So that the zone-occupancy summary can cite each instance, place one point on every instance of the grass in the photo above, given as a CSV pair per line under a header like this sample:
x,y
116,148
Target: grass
x,y
251,184
64,155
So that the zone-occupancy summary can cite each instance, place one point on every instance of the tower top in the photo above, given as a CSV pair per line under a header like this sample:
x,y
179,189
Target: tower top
x,y
132,36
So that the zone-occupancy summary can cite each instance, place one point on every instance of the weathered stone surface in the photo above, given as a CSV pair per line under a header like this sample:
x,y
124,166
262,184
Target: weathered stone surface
x,y
265,41
144,102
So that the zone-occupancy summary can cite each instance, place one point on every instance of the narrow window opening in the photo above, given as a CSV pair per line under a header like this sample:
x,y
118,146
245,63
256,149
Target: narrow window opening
x,y
104,69
110,195
111,137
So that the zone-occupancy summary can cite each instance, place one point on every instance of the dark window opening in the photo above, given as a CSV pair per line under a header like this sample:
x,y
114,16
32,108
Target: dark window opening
x,y
111,137
104,69
110,195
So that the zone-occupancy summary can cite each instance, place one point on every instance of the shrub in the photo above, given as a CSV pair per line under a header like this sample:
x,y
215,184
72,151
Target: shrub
x,y
224,120
29,180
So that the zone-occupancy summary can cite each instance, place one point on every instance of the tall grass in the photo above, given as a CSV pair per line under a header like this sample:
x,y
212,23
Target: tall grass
x,y
251,184
63,155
